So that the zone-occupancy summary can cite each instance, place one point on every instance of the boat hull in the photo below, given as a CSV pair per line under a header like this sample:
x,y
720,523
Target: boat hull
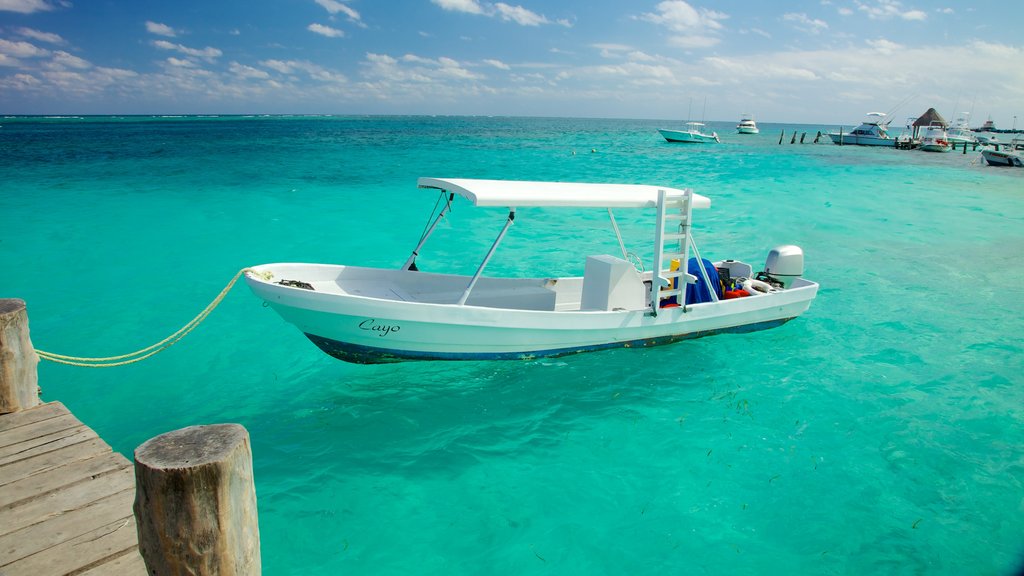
x,y
1000,158
375,330
747,130
936,147
855,140
687,137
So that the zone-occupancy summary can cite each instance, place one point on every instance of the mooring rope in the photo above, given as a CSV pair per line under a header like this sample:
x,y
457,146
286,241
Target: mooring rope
x,y
138,355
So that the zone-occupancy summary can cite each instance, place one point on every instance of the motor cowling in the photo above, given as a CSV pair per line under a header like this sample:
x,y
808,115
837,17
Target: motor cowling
x,y
785,264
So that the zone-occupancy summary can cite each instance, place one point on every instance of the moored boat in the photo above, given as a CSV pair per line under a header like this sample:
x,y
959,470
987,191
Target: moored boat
x,y
373,315
960,133
934,139
1011,154
692,134
747,125
871,132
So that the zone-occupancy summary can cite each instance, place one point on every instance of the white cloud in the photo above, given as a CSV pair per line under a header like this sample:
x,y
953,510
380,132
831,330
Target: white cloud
x,y
47,37
160,29
884,46
25,6
325,31
844,12
805,23
208,53
181,62
247,72
497,64
64,60
520,15
467,6
335,7
886,9
944,10
19,50
691,27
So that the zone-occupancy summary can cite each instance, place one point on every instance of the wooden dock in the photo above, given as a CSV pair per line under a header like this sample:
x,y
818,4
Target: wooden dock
x,y
65,498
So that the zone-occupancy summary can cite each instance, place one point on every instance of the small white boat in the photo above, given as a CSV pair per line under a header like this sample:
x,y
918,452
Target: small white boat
x,y
871,132
747,125
693,134
934,139
1011,154
373,315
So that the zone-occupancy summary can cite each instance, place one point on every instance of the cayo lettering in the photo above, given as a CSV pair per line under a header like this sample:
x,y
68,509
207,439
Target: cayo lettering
x,y
381,329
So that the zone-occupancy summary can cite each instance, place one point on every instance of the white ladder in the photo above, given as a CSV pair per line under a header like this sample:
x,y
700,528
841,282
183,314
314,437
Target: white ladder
x,y
674,212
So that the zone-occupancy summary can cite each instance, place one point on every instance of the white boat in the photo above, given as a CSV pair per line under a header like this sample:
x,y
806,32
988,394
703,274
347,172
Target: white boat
x,y
693,133
1011,154
373,315
747,125
934,139
960,132
871,132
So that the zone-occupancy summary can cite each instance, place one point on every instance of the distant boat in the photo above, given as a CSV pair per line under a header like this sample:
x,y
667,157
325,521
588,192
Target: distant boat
x,y
1009,155
693,134
934,139
960,133
988,126
871,132
747,125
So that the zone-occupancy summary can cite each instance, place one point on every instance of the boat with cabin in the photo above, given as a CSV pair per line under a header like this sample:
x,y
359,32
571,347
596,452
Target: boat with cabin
x,y
747,125
934,139
373,315
873,131
960,132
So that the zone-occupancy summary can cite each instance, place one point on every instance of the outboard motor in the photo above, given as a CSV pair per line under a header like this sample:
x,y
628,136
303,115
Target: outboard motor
x,y
783,265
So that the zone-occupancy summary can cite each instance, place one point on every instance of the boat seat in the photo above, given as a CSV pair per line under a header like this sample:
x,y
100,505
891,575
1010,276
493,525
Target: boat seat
x,y
611,283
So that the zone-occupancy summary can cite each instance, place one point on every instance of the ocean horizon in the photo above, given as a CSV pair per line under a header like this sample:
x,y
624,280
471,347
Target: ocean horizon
x,y
880,432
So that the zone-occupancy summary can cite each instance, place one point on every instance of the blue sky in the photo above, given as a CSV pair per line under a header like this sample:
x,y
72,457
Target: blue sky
x,y
824,61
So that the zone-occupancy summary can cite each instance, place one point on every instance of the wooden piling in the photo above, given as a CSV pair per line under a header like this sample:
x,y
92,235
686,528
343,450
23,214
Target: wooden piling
x,y
19,381
802,134
793,139
965,147
817,137
195,502
781,136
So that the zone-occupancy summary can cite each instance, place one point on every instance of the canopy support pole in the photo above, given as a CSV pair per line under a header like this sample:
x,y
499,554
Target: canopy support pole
x,y
618,235
411,262
480,270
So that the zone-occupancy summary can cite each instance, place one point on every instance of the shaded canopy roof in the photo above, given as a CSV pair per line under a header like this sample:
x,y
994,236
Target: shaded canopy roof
x,y
564,194
930,117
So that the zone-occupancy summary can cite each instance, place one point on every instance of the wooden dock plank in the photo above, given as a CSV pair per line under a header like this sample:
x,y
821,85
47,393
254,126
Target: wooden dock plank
x,y
65,498
35,430
61,528
36,414
85,551
57,502
130,563
38,466
43,444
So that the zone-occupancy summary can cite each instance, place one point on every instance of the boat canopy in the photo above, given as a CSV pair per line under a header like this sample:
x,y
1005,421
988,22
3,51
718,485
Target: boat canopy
x,y
515,193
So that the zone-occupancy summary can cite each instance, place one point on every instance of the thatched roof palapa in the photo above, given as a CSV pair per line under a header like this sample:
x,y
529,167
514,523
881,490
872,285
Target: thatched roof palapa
x,y
929,118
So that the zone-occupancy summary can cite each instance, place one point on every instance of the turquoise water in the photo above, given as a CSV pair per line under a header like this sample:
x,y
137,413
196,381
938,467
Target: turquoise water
x,y
881,432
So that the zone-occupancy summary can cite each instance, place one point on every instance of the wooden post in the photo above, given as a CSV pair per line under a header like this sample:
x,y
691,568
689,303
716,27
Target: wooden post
x,y
781,136
793,139
19,381
195,502
802,134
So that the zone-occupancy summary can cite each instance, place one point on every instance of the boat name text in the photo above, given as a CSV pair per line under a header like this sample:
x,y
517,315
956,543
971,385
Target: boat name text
x,y
381,329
